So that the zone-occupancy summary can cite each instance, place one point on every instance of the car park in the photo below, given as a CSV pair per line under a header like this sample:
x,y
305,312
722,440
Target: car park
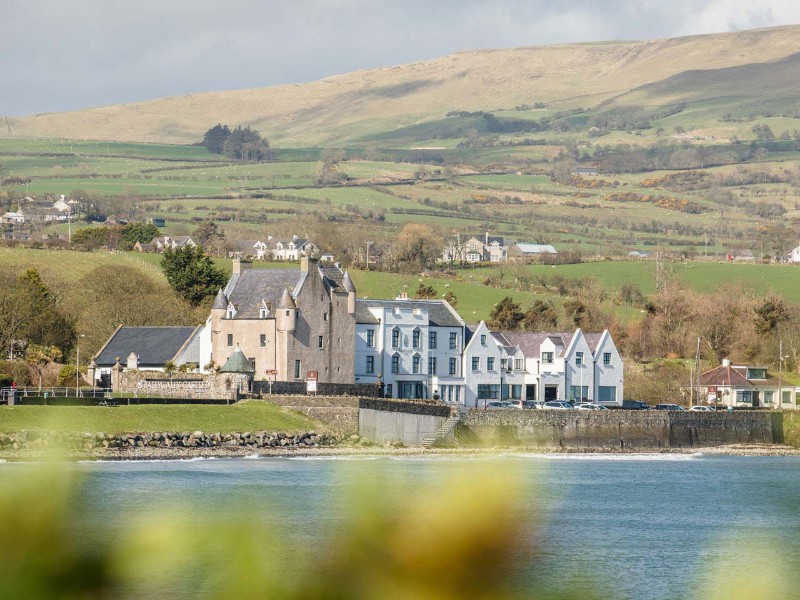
x,y
558,405
668,407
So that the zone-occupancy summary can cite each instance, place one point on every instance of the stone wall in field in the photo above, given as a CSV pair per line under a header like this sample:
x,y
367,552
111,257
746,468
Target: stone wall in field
x,y
617,429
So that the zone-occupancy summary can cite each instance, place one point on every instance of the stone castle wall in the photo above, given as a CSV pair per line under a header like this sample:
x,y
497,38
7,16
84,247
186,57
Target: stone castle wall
x,y
193,386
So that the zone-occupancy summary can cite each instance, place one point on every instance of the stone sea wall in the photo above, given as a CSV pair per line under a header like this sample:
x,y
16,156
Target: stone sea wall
x,y
337,413
618,429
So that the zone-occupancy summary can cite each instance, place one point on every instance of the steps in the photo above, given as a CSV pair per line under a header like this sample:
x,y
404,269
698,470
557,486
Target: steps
x,y
443,433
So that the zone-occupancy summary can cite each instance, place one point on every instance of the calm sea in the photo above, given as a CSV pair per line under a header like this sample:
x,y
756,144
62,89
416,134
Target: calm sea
x,y
636,527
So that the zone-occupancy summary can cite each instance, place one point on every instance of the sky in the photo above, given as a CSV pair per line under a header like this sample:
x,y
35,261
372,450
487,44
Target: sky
x,y
71,54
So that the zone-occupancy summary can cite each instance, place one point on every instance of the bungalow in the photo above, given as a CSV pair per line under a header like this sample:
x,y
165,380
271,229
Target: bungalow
x,y
745,386
14,218
581,170
145,349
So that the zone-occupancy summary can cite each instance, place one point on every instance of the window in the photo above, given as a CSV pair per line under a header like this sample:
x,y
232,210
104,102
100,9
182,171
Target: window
x,y
606,359
253,363
396,337
262,313
453,340
578,392
415,364
415,338
370,364
768,394
297,369
579,358
787,397
262,340
453,366
607,393
320,342
547,358
490,363
230,339
476,363
483,340
432,340
396,363
370,338
388,389
325,316
431,365
756,373
488,391
503,364
519,364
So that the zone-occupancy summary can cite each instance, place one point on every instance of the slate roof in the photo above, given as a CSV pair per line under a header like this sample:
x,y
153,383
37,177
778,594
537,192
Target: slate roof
x,y
153,345
530,343
237,363
247,290
439,313
726,375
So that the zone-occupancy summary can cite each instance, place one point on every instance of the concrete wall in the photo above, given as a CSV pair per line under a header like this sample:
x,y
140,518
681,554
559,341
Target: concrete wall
x,y
399,422
618,429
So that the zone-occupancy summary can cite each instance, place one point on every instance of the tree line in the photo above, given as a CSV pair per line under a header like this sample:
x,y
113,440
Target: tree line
x,y
241,143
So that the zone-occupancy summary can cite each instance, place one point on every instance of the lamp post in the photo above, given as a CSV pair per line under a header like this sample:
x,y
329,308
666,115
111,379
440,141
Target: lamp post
x,y
78,364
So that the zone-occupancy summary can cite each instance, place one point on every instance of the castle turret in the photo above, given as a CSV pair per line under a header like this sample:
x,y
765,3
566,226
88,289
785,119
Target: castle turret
x,y
286,317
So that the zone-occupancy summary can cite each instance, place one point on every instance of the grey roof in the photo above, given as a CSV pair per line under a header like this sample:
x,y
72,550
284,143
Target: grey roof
x,y
527,248
334,277
253,286
286,300
439,313
237,363
530,343
153,345
220,301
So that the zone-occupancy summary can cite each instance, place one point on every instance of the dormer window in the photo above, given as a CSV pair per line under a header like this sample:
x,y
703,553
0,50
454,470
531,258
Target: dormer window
x,y
263,311
231,312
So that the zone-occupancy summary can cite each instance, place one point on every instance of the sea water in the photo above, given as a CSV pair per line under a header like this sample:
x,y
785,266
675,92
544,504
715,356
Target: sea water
x,y
658,526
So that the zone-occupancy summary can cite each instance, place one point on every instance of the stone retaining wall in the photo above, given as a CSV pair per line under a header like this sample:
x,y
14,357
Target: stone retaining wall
x,y
398,422
618,429
153,383
366,390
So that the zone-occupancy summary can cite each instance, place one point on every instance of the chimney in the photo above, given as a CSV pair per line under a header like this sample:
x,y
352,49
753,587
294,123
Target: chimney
x,y
240,265
304,264
486,240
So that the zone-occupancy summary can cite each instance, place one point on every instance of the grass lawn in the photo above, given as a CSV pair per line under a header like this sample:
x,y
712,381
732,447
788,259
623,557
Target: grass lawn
x,y
245,416
791,428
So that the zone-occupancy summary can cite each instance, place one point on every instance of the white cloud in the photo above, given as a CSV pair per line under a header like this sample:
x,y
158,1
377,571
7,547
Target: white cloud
x,y
731,15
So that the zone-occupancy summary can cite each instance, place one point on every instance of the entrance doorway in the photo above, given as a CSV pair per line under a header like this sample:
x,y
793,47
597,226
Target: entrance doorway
x,y
550,393
530,393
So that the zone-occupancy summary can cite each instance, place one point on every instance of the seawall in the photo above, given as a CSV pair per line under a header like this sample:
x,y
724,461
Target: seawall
x,y
618,429
337,413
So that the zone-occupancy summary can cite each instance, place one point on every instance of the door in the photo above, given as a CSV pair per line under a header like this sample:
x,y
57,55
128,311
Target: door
x,y
550,393
530,393
756,398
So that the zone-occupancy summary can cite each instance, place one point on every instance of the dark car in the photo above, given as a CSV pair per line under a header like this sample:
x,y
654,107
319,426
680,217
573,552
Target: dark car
x,y
668,407
635,405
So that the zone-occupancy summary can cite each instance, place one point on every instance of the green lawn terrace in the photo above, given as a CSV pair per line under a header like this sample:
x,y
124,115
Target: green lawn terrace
x,y
243,416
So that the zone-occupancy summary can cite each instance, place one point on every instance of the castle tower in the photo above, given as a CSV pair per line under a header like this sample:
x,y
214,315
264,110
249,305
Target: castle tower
x,y
286,315
347,283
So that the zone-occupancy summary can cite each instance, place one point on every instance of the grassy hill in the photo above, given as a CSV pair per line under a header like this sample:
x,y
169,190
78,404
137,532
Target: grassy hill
x,y
356,106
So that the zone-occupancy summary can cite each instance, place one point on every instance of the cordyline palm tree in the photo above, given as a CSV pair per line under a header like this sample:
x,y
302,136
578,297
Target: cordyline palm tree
x,y
41,356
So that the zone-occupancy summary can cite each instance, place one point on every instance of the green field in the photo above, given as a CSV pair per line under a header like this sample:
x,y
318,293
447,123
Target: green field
x,y
758,279
244,416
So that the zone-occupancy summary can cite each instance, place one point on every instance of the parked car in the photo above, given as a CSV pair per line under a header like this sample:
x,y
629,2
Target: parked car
x,y
590,406
701,408
558,405
635,405
532,404
668,407
499,404
516,403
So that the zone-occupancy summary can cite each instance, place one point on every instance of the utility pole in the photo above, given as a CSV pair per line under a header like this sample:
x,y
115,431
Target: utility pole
x,y
697,368
780,374
368,245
